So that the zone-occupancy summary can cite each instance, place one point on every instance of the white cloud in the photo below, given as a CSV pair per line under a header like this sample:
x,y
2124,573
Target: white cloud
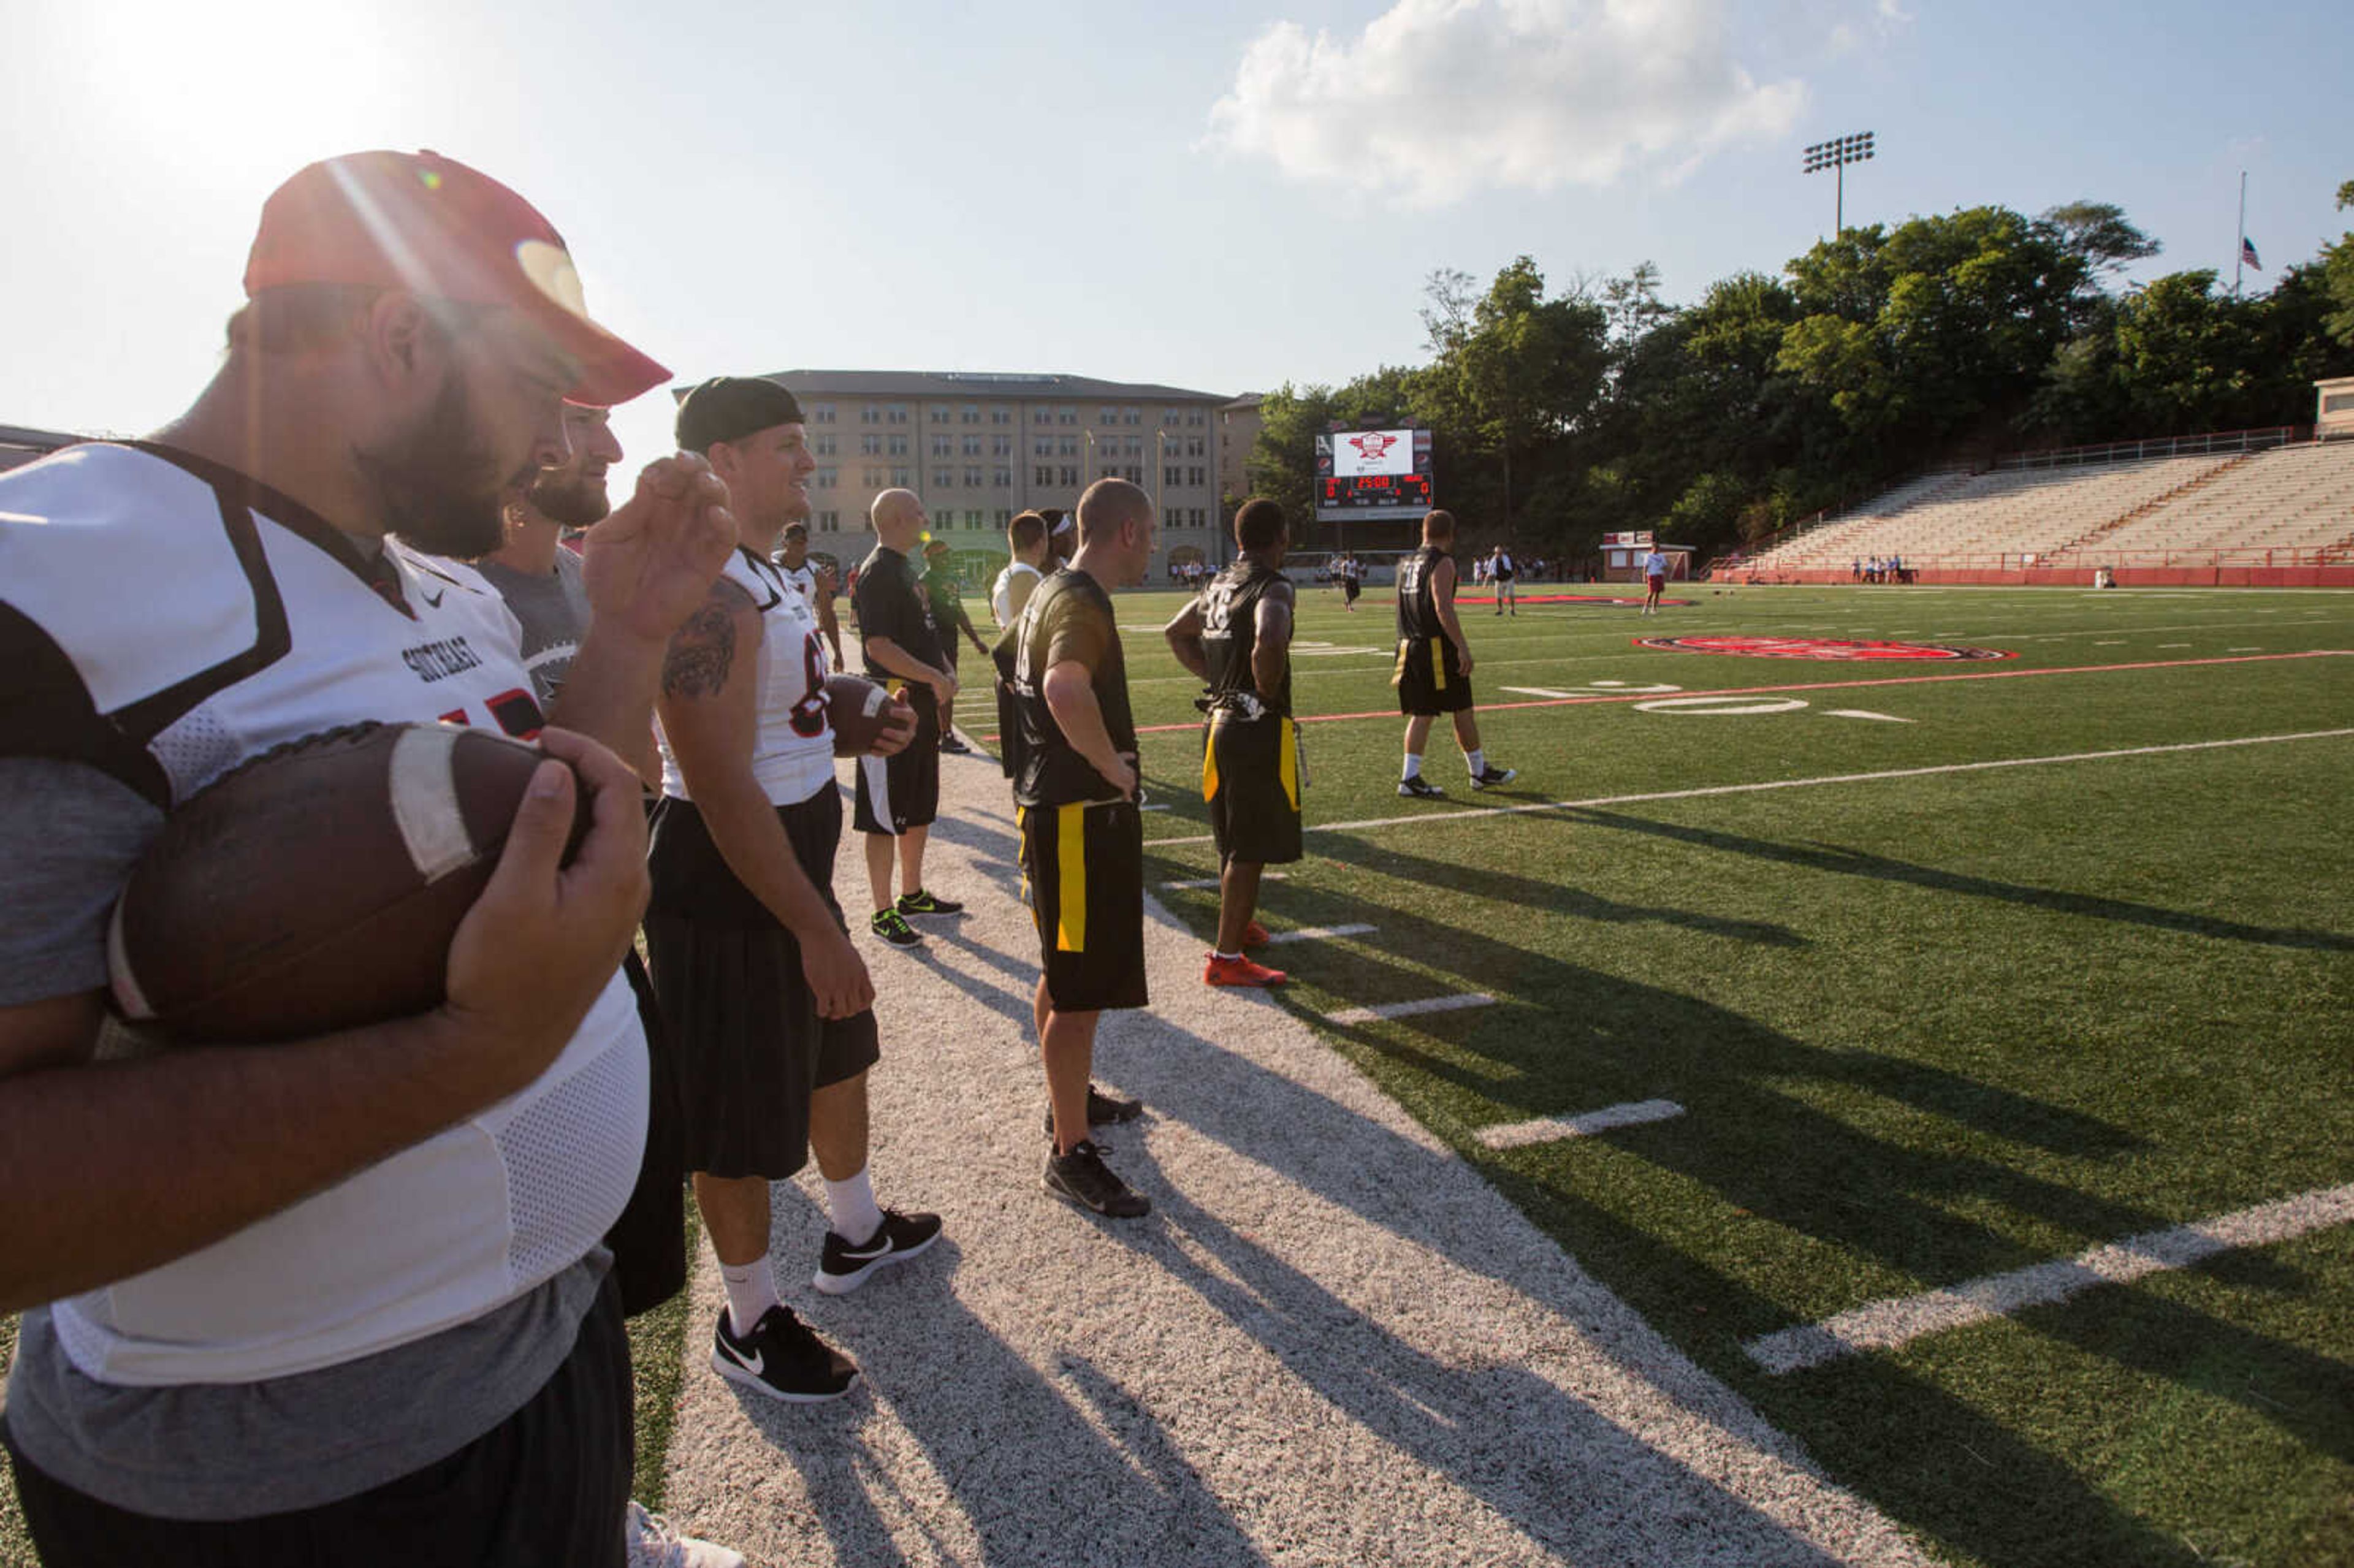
x,y
1441,99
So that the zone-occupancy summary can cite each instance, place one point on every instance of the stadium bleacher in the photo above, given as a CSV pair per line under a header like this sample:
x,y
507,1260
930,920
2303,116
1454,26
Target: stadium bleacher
x,y
2290,507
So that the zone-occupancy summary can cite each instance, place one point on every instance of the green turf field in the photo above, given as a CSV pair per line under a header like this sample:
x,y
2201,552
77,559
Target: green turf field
x,y
1921,1029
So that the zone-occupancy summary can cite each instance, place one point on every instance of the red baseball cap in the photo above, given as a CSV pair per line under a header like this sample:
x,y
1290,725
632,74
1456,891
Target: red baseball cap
x,y
429,225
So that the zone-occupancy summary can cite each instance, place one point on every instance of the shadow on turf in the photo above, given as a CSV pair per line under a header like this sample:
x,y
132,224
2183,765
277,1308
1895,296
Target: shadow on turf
x,y
1848,862
1576,1040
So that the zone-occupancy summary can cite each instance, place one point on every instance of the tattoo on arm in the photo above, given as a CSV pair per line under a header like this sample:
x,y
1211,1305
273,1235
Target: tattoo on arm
x,y
702,652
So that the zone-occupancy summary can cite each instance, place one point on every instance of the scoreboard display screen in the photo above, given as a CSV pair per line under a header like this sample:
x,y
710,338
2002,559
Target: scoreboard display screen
x,y
1372,474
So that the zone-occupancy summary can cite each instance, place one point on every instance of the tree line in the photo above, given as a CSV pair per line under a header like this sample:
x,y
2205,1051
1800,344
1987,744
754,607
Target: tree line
x,y
1559,416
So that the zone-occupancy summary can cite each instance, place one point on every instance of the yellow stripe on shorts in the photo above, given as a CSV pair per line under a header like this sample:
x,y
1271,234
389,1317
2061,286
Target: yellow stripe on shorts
x,y
1071,865
1397,674
1210,759
1020,822
1287,763
1438,667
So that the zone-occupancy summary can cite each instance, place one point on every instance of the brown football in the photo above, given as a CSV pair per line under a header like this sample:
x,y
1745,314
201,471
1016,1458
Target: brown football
x,y
317,886
861,712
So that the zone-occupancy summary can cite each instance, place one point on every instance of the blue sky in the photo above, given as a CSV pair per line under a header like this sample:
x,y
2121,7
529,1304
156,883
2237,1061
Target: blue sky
x,y
1216,196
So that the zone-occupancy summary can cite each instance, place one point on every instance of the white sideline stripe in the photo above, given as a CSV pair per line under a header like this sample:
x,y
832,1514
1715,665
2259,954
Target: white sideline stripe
x,y
1409,1008
1198,882
1317,933
1551,1128
1886,1324
1790,784
425,799
1545,691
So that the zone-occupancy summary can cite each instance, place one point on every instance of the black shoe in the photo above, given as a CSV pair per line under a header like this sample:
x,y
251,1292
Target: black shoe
x,y
1103,1110
949,743
782,1357
1494,776
1081,1177
843,1268
922,902
1420,789
893,927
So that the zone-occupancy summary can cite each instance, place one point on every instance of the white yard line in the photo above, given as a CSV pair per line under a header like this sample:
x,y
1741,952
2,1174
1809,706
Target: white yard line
x,y
1552,1128
1898,1319
1410,1008
1793,783
1317,934
1193,883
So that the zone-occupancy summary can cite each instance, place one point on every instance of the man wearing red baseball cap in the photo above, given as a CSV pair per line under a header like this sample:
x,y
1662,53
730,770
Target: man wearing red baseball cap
x,y
339,1300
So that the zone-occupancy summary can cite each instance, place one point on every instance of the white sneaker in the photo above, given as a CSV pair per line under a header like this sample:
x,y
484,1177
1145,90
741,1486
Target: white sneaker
x,y
655,1542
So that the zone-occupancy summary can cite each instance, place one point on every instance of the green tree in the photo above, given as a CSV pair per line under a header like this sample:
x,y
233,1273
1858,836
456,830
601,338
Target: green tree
x,y
2338,268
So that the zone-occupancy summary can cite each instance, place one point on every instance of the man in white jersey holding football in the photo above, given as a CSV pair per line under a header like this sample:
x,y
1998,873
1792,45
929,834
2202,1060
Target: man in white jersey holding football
x,y
766,1003
812,580
338,1300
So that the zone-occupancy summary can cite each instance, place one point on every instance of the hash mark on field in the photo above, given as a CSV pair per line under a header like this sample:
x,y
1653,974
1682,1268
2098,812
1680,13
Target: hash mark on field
x,y
1886,1324
1317,933
2243,649
2174,645
1409,1008
1200,881
1865,714
1551,1128
1545,691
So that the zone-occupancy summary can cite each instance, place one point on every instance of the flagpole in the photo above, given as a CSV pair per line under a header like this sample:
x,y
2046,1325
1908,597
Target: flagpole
x,y
2240,256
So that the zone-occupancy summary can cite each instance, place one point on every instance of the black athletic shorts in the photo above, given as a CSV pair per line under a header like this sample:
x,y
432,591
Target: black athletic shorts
x,y
1349,590
1009,730
547,1488
1427,678
1084,867
903,790
1250,777
739,1021
649,1240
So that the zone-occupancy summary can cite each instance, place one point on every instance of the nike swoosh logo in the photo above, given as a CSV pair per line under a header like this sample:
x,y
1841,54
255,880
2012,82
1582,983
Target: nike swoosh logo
x,y
432,601
870,1251
751,1363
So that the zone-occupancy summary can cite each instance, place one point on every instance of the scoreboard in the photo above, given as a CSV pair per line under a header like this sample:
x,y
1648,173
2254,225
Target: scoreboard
x,y
1372,474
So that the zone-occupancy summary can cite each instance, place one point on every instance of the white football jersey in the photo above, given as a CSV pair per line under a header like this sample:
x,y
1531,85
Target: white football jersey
x,y
1000,592
792,754
184,619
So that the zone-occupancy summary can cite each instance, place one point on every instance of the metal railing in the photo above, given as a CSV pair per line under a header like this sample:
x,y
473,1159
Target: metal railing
x,y
2255,440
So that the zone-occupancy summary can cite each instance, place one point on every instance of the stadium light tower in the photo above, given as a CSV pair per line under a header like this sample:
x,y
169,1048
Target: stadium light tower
x,y
1836,154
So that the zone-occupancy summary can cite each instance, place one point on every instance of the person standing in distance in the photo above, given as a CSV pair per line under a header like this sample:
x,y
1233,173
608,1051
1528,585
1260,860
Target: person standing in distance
x,y
1502,569
899,797
1434,662
812,580
948,618
1026,537
1655,579
1237,638
765,999
1082,837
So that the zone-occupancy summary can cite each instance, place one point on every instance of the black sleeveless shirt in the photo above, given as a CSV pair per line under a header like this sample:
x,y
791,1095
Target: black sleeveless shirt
x,y
1418,605
1230,631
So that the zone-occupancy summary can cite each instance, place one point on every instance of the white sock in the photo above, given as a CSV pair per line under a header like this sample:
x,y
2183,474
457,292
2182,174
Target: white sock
x,y
751,1290
852,1204
1228,958
1477,761
1412,765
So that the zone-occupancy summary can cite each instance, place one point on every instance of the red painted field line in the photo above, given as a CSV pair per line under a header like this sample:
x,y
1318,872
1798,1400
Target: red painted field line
x,y
1813,686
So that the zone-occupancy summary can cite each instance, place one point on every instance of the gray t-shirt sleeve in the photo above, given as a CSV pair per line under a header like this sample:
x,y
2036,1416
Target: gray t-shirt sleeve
x,y
67,841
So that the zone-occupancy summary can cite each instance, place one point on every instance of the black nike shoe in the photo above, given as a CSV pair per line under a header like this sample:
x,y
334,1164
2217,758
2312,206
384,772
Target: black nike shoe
x,y
1103,1110
1082,1178
893,927
843,1268
922,902
1494,777
953,746
1420,789
783,1358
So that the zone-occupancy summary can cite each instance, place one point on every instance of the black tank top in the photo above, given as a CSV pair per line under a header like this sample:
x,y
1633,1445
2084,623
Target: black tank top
x,y
1417,605
1230,631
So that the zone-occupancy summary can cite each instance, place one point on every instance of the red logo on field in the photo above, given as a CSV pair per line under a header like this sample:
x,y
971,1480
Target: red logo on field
x,y
1372,447
1820,648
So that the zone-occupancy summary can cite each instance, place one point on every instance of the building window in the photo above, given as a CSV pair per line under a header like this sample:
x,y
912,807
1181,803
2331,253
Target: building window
x,y
972,413
827,476
1041,476
1131,416
829,522
825,445
974,519
940,413
1000,478
942,445
972,446
1070,477
821,413
943,478
1133,473
1069,446
1107,417
1194,417
872,478
1001,416
1042,447
1005,516
901,478
972,478
1000,446
1194,477
870,445
898,446
1169,477
1067,416
871,414
897,413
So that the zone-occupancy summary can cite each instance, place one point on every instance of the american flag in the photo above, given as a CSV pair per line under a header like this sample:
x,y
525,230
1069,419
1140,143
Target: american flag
x,y
2248,253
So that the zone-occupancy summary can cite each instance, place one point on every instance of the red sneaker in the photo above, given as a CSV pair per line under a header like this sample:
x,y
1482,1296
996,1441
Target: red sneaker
x,y
1216,970
1254,935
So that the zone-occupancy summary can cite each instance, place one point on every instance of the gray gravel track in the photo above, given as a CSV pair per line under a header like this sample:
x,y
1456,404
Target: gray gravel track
x,y
1331,1342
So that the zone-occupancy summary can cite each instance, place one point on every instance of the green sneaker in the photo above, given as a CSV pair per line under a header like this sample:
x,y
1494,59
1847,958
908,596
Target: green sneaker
x,y
922,902
893,927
